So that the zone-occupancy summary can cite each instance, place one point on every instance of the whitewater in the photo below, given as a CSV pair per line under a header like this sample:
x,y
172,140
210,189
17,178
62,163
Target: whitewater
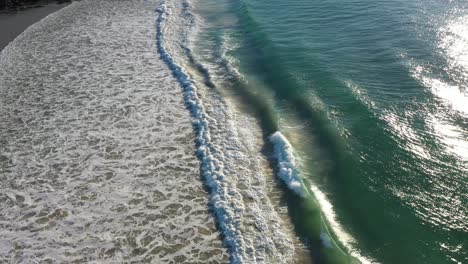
x,y
96,148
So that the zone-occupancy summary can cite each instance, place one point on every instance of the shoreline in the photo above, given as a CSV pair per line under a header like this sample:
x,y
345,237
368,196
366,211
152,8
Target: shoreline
x,y
15,23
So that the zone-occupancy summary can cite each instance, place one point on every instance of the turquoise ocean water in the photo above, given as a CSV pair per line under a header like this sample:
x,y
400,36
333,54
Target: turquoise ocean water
x,y
372,96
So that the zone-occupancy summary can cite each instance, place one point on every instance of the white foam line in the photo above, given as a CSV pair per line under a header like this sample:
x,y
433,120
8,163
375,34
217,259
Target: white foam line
x,y
287,168
226,209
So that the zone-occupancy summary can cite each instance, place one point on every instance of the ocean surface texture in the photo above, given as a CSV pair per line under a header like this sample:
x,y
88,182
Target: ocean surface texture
x,y
241,131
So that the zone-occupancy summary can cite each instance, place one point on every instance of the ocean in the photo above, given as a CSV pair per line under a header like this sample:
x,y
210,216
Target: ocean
x,y
242,131
372,96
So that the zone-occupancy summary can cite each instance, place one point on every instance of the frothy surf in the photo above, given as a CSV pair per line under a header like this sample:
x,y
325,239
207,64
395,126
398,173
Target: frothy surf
x,y
251,227
287,167
96,156
212,169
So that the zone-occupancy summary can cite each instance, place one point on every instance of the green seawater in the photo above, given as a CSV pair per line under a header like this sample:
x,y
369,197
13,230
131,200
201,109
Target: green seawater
x,y
373,96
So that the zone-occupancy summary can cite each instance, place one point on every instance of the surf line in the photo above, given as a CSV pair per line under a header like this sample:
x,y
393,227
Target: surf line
x,y
222,196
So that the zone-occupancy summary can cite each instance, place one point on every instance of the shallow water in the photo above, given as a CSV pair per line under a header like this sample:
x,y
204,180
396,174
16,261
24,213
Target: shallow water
x,y
96,152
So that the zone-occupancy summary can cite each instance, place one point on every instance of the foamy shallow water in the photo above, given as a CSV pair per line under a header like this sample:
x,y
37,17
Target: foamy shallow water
x,y
244,195
96,151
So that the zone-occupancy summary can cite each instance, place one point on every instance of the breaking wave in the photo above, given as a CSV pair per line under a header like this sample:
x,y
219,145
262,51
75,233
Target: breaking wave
x,y
287,168
211,167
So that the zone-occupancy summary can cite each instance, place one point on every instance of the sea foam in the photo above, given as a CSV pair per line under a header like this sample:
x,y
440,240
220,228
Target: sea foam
x,y
96,158
288,170
225,208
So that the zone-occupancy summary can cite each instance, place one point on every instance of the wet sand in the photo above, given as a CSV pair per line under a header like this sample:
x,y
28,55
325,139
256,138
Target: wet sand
x,y
14,23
